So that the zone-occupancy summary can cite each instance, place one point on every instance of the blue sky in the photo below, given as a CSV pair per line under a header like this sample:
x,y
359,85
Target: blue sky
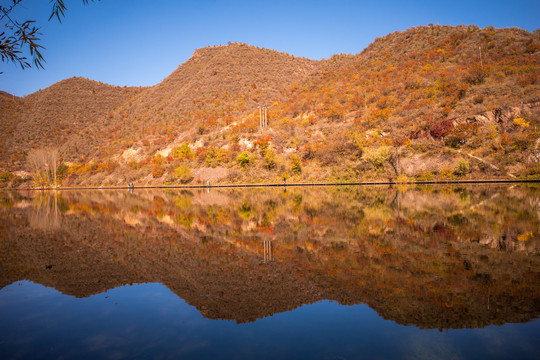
x,y
140,42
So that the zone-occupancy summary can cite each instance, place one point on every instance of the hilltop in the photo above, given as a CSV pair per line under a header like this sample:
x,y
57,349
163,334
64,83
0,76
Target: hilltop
x,y
53,116
429,102
215,87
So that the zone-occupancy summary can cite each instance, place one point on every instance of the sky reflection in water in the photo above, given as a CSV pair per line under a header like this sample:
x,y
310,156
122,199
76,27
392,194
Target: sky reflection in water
x,y
148,320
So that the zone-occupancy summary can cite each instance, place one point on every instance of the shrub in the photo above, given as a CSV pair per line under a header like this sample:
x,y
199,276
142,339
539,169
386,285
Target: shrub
x,y
462,167
528,79
216,157
460,134
223,156
210,157
270,159
243,159
182,152
157,171
493,131
521,122
62,171
310,120
245,211
6,176
425,176
183,174
201,153
296,164
520,141
307,152
158,159
441,128
332,111
377,157
477,74
262,144
403,178
284,121
16,181
447,173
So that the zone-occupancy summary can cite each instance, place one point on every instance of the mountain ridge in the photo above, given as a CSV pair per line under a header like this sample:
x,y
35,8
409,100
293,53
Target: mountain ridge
x,y
412,90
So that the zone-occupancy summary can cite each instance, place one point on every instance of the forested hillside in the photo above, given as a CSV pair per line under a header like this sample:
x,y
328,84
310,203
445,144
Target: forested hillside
x,y
435,102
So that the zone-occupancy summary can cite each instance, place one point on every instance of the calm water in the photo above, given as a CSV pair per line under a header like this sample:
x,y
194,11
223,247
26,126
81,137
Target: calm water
x,y
327,273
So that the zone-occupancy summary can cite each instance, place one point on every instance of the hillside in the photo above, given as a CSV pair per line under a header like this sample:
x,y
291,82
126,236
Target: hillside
x,y
423,90
215,87
435,102
52,116
10,110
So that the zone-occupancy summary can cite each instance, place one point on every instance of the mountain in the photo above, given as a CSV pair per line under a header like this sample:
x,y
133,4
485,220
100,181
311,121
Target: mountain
x,y
52,116
431,102
213,88
463,86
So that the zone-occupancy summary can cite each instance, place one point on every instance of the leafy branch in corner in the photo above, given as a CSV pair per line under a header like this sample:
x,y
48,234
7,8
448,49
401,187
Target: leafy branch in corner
x,y
17,37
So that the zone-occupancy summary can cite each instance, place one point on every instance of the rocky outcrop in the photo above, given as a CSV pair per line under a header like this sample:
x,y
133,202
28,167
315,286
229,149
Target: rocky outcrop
x,y
503,117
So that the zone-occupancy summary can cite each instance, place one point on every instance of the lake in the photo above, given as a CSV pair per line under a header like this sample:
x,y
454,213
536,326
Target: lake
x,y
346,272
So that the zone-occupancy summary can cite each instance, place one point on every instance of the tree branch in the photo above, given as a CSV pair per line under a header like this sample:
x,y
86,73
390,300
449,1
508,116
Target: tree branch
x,y
16,35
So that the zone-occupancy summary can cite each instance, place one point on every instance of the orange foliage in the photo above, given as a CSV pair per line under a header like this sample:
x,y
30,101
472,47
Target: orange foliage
x,y
157,170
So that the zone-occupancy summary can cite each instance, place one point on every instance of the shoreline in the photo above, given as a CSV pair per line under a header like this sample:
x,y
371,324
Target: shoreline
x,y
360,183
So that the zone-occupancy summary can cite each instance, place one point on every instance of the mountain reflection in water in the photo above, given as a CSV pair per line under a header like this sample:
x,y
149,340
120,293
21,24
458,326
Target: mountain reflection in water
x,y
441,257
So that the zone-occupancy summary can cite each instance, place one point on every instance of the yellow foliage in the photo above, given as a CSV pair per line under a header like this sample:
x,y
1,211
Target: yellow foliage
x,y
182,152
493,131
521,122
377,156
403,178
427,69
296,164
183,174
310,120
158,159
447,173
525,237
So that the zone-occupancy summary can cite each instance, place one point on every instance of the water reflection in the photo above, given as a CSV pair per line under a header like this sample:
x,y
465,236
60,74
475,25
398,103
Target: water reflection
x,y
45,214
433,257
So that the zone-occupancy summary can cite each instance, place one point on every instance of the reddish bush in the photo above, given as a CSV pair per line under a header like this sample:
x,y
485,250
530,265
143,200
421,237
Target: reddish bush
x,y
157,171
460,134
200,154
528,79
262,144
441,128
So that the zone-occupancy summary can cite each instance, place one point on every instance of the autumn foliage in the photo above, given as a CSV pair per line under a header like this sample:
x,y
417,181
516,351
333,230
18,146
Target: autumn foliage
x,y
435,88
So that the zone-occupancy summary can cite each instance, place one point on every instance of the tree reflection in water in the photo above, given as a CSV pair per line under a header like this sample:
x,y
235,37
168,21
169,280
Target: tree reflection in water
x,y
434,257
45,214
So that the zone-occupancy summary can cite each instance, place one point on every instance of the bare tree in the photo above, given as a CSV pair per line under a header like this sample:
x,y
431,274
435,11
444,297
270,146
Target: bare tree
x,y
43,163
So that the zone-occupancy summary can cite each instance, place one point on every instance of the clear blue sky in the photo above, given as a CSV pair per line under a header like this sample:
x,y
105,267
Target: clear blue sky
x,y
140,42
